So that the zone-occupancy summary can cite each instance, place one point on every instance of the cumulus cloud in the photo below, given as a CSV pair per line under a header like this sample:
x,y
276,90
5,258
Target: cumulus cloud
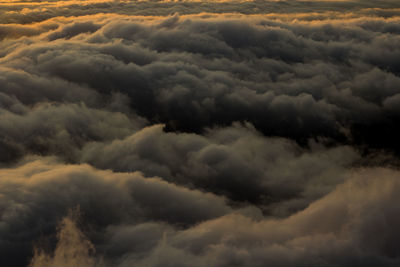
x,y
200,133
38,194
298,80
59,129
235,161
355,225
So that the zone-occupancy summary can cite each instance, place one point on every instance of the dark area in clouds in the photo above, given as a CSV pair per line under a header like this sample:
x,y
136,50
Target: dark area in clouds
x,y
295,80
135,221
249,138
236,162
38,194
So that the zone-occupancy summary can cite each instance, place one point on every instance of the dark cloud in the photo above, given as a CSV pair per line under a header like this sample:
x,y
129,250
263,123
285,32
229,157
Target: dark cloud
x,y
36,195
59,129
355,225
237,162
297,80
199,133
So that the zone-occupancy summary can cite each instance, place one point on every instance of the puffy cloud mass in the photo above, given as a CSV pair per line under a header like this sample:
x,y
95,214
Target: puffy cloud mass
x,y
199,133
138,221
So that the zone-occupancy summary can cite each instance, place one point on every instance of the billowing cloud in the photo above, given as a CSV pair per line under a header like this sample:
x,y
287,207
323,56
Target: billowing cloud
x,y
235,161
353,225
199,133
37,194
297,80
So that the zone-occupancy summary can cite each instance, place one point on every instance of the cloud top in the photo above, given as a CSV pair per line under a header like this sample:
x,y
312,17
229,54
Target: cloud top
x,y
199,133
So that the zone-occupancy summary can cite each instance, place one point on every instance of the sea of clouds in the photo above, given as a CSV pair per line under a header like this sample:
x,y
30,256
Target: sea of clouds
x,y
199,133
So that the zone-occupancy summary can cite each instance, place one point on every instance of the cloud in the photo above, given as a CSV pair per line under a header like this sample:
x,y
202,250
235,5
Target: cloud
x,y
352,226
72,248
298,80
201,133
236,162
59,129
38,194
34,11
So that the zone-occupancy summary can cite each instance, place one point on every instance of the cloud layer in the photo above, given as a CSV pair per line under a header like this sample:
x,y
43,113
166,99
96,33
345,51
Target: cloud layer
x,y
189,133
337,79
137,221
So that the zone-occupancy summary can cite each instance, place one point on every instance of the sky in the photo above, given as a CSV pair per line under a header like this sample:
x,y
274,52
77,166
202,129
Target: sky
x,y
199,133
